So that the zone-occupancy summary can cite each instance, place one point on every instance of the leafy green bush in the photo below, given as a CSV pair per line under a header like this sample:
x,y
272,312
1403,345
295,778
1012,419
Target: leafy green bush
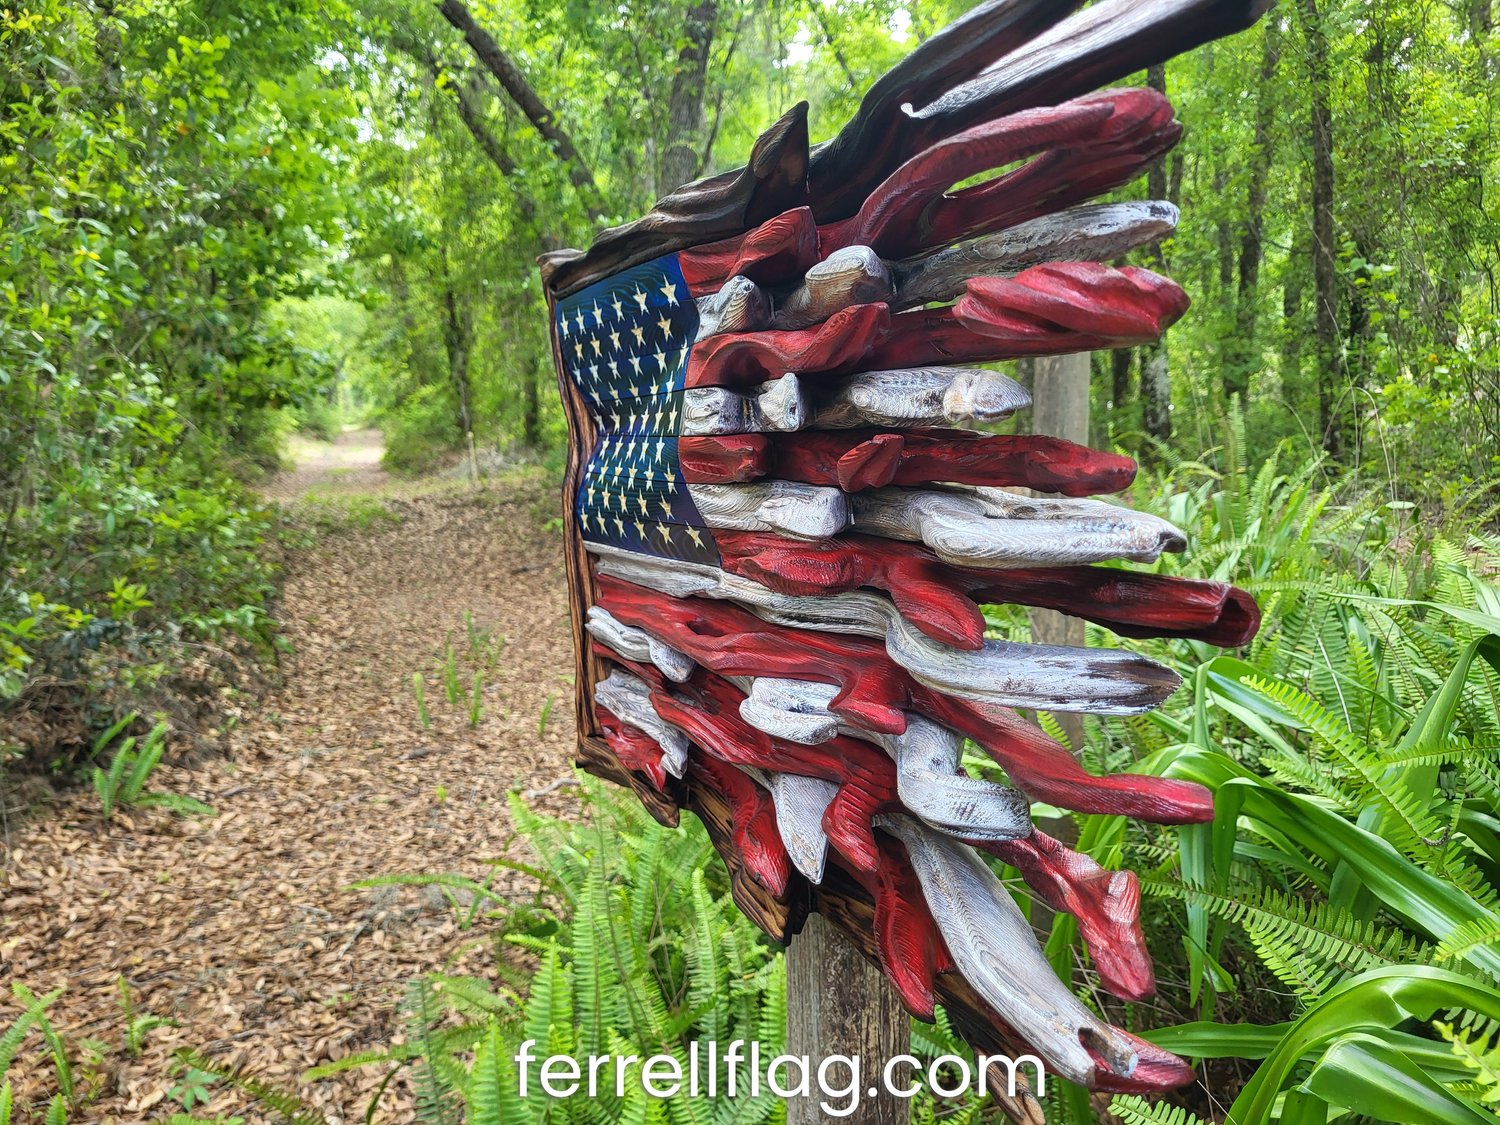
x,y
1344,896
419,433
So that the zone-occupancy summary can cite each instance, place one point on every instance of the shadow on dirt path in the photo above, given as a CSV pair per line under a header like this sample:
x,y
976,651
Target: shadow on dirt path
x,y
243,926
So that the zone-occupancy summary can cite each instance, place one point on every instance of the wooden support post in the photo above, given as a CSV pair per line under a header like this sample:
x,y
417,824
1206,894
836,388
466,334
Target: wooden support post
x,y
837,1003
1060,398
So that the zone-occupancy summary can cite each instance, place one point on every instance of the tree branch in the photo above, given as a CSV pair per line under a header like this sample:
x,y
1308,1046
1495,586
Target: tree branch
x,y
514,82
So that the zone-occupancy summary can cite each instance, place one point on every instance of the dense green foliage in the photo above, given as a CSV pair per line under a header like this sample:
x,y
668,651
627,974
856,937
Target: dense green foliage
x,y
160,191
1348,883
218,221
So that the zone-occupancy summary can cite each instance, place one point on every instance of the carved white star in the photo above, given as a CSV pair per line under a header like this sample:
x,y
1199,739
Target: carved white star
x,y
661,361
580,320
595,341
620,524
665,325
640,528
578,347
639,333
640,298
665,532
615,304
669,291
694,536
614,339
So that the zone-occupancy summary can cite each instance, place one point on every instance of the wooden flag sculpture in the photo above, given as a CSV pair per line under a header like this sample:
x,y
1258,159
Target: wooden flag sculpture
x,y
780,533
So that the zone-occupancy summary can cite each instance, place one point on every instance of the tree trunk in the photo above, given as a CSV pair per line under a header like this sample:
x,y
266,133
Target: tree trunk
x,y
531,407
1156,383
1292,288
514,82
458,338
679,162
1331,409
1242,350
1119,376
107,50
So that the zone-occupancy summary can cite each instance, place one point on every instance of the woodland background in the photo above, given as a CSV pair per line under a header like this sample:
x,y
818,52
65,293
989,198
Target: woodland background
x,y
224,221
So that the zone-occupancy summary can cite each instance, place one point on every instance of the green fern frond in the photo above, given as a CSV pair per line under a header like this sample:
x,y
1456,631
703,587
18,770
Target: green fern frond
x,y
291,1109
1469,937
1481,1056
1134,1110
1307,946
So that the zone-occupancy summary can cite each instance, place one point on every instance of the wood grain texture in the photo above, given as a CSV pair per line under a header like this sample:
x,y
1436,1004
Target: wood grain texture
x,y
1088,681
940,599
1096,232
917,396
861,1018
974,529
868,458
875,695
1071,153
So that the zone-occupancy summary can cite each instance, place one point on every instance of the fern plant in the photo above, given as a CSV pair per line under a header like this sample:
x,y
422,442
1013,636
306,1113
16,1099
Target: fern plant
x,y
1354,749
123,783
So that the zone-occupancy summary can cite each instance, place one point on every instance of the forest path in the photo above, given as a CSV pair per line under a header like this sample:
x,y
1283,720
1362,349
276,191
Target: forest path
x,y
350,463
241,926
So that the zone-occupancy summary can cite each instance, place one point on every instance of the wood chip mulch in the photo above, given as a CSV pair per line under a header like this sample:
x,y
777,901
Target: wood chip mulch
x,y
241,927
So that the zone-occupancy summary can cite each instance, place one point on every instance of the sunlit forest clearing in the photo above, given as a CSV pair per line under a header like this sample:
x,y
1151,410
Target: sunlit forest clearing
x,y
290,822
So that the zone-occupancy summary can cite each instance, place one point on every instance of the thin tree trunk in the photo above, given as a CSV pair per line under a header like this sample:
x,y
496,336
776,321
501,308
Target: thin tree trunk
x,y
1156,382
458,337
1119,372
107,49
1242,350
1292,288
514,82
1325,292
679,162
531,408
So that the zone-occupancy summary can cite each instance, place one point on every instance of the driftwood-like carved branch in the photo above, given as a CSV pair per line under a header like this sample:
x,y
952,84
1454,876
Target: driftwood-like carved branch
x,y
776,406
801,803
969,529
1098,232
801,511
1076,151
855,460
930,781
992,944
922,396
723,206
638,645
854,275
1088,681
739,305
629,699
940,599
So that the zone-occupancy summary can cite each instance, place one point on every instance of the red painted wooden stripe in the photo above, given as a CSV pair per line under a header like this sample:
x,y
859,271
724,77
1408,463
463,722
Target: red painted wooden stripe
x,y
859,459
940,599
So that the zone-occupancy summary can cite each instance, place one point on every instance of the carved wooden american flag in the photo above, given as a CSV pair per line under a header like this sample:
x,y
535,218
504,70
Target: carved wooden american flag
x,y
782,522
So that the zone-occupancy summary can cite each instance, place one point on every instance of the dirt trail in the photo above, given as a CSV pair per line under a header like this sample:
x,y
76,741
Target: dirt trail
x,y
239,926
